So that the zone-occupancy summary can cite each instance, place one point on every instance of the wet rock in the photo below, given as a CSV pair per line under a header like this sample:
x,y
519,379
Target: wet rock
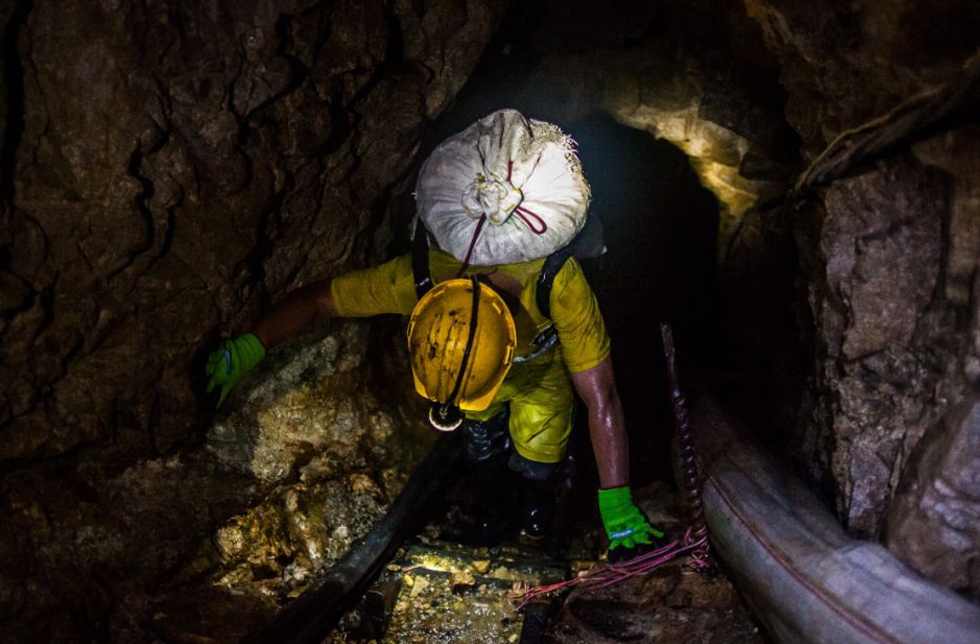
x,y
883,388
326,457
447,592
307,407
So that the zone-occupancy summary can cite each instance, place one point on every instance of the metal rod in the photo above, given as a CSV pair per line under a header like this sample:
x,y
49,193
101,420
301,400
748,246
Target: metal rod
x,y
689,467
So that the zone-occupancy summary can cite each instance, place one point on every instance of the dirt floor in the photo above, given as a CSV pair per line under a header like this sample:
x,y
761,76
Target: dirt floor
x,y
437,590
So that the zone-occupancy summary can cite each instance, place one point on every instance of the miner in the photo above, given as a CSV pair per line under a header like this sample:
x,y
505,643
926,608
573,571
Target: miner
x,y
503,326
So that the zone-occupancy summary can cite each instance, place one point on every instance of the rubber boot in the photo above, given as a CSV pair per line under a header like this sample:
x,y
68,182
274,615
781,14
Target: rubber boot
x,y
543,486
538,507
487,448
494,497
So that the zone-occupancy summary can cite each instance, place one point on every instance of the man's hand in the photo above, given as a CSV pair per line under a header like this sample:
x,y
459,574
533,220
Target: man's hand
x,y
231,361
629,532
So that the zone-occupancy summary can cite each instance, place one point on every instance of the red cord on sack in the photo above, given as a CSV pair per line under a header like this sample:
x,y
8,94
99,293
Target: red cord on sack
x,y
523,213
469,253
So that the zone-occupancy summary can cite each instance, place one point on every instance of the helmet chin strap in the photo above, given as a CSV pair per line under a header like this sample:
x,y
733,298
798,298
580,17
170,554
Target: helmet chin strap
x,y
446,417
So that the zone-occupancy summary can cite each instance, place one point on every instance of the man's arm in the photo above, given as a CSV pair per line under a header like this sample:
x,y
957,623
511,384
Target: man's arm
x,y
629,532
295,312
387,288
607,429
236,357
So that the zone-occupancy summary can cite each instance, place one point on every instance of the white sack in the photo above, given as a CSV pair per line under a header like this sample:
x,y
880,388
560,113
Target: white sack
x,y
539,210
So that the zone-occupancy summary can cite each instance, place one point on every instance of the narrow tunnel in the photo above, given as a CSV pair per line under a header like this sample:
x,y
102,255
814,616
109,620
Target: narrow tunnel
x,y
792,189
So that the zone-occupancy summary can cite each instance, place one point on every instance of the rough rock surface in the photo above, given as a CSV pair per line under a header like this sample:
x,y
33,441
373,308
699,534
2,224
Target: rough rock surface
x,y
889,255
168,170
441,591
179,167
210,543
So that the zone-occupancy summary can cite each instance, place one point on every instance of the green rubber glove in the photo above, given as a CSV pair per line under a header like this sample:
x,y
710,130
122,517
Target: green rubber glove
x,y
232,360
625,525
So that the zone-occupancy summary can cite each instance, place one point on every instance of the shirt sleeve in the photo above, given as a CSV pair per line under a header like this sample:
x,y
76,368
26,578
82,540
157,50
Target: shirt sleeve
x,y
386,288
575,313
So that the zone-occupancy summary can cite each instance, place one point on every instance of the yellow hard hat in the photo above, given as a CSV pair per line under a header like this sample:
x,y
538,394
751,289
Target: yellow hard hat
x,y
461,339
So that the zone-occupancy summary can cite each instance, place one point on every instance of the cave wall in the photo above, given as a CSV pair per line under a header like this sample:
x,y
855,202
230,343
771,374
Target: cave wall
x,y
167,171
851,316
179,167
890,256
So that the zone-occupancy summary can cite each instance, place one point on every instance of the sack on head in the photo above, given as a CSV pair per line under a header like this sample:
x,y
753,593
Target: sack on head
x,y
507,189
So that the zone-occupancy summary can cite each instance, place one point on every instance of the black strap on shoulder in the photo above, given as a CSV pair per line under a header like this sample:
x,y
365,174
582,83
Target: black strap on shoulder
x,y
548,337
420,260
546,278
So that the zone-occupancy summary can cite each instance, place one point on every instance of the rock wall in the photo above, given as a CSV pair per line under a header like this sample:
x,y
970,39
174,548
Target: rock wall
x,y
889,256
168,170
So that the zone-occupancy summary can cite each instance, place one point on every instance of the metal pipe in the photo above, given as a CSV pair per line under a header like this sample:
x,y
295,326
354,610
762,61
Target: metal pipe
x,y
806,579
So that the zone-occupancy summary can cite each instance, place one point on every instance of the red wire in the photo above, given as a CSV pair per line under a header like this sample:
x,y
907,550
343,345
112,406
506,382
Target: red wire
x,y
469,253
693,544
523,213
